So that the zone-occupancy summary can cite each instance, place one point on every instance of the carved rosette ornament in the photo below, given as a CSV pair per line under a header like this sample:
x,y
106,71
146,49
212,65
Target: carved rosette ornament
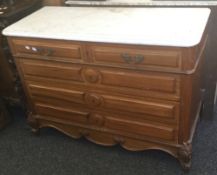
x,y
185,155
91,75
93,100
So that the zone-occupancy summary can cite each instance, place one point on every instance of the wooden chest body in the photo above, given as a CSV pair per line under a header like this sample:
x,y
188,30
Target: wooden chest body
x,y
141,97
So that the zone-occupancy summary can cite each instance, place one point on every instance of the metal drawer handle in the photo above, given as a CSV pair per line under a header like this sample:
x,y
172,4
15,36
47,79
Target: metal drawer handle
x,y
139,59
48,52
41,51
126,57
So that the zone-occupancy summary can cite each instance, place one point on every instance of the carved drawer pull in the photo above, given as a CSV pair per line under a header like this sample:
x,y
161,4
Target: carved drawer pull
x,y
39,50
126,57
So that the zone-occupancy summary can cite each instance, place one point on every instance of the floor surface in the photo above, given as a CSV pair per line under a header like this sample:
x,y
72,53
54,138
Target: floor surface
x,y
53,153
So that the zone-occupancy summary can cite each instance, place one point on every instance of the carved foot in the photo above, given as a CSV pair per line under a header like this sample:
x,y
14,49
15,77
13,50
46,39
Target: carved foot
x,y
184,156
34,124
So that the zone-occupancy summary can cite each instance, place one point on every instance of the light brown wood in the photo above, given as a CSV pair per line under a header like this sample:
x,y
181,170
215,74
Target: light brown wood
x,y
66,52
149,57
114,93
143,82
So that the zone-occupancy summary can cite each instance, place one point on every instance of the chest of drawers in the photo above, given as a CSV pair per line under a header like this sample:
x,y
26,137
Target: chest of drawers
x,y
141,96
112,93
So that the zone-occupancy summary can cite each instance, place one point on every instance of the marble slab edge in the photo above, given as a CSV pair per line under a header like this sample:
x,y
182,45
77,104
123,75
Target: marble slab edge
x,y
135,3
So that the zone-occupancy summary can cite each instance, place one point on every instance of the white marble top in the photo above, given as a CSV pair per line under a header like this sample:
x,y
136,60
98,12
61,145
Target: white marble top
x,y
147,26
142,3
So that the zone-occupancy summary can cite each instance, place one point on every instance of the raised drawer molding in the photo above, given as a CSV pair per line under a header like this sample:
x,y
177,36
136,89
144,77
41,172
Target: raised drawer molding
x,y
134,56
141,96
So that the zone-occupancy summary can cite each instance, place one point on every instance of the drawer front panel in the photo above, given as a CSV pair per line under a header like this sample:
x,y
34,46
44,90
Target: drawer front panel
x,y
140,81
47,70
150,109
104,121
145,129
159,109
134,57
48,49
115,123
56,93
125,82
73,115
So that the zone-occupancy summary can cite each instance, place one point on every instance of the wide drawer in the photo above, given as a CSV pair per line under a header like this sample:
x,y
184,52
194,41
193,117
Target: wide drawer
x,y
150,84
155,110
48,49
136,57
106,122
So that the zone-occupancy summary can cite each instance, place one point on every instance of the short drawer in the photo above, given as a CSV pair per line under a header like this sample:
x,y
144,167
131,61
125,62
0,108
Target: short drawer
x,y
139,57
48,49
126,82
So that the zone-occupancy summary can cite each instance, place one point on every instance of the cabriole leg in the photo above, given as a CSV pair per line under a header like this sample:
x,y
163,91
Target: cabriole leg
x,y
34,124
184,156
